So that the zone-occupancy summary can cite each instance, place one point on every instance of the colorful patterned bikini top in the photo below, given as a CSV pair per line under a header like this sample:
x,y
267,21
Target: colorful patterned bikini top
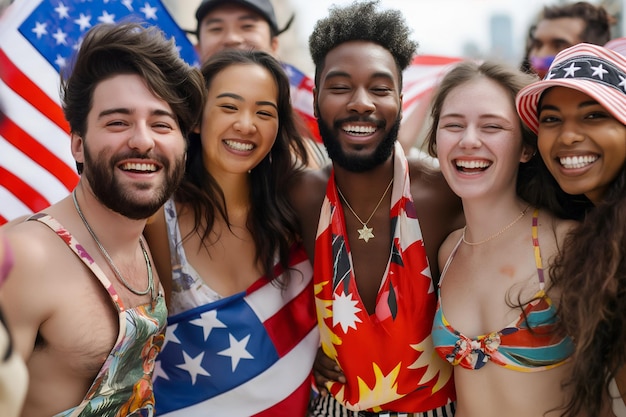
x,y
528,344
123,386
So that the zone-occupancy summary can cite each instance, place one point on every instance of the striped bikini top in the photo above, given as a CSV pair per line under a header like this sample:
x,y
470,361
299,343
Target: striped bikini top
x,y
528,344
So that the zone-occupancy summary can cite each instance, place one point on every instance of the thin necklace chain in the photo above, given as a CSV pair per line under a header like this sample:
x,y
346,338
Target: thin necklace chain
x,y
103,251
364,223
495,235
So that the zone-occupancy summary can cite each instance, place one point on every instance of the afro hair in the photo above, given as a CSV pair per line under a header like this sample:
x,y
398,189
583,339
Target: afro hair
x,y
361,21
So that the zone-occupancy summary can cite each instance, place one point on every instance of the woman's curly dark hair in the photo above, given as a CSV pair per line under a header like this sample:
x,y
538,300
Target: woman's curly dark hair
x,y
591,275
362,22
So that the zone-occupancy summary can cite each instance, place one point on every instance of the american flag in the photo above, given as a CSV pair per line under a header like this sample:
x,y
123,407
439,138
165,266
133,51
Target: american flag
x,y
302,98
37,39
421,78
246,355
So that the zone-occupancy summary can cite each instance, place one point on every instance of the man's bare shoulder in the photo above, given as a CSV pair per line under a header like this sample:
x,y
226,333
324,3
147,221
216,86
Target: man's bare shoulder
x,y
30,240
32,294
13,222
306,193
39,255
427,182
51,300
308,187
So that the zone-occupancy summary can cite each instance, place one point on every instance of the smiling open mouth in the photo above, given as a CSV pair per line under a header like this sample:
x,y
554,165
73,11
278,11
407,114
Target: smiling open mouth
x,y
139,167
238,146
574,162
359,130
472,166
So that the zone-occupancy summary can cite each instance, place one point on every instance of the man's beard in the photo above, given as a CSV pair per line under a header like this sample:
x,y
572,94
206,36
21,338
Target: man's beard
x,y
357,163
99,173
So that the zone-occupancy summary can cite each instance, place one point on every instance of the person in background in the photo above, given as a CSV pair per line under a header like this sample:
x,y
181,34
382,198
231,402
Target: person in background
x,y
372,224
242,335
82,300
495,320
236,24
579,115
561,26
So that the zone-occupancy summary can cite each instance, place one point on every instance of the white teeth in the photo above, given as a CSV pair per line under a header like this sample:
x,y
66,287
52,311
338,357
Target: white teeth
x,y
132,166
359,130
472,164
238,146
574,162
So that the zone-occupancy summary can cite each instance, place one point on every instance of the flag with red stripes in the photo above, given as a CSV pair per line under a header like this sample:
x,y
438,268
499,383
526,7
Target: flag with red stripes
x,y
421,78
37,39
302,98
249,354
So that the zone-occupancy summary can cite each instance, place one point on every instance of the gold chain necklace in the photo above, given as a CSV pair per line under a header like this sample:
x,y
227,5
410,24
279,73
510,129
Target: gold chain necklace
x,y
495,235
118,274
366,233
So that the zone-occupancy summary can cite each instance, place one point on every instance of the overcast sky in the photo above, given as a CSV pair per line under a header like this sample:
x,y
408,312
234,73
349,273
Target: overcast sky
x,y
440,26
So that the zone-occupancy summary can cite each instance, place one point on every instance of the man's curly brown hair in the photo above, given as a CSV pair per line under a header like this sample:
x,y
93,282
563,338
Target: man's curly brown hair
x,y
361,21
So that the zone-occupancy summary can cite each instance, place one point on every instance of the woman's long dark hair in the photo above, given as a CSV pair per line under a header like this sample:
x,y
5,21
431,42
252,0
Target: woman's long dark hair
x,y
591,275
271,219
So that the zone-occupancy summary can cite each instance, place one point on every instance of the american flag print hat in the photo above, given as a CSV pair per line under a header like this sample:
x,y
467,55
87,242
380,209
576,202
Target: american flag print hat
x,y
594,70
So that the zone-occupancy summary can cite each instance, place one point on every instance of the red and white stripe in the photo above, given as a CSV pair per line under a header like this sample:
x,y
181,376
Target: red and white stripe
x,y
527,99
36,166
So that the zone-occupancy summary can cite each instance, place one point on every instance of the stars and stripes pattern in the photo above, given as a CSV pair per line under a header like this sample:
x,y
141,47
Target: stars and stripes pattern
x,y
596,71
37,40
250,354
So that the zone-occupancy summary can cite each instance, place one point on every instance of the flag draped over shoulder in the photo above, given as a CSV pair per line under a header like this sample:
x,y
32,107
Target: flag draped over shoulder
x,y
37,40
249,354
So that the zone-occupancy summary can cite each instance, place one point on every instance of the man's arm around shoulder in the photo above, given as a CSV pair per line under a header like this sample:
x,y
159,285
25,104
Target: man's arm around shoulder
x,y
439,210
306,194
